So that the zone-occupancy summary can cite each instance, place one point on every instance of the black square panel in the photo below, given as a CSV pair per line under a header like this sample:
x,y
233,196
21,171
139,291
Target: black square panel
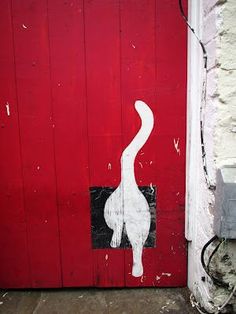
x,y
101,233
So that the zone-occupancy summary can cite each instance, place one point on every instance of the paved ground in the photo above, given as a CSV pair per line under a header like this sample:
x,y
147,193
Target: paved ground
x,y
112,301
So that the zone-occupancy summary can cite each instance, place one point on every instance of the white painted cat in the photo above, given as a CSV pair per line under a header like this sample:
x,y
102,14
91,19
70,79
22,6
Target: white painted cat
x,y
127,205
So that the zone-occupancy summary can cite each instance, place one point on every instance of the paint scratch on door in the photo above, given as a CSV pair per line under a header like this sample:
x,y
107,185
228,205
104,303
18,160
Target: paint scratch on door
x,y
8,109
176,145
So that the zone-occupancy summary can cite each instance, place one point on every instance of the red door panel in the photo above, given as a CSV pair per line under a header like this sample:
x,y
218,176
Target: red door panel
x,y
14,259
32,66
71,72
69,123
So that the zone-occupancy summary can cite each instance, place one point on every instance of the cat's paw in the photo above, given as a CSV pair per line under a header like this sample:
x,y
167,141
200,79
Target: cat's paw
x,y
137,270
116,239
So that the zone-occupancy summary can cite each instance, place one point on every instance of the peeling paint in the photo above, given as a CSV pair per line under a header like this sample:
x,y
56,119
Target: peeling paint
x,y
140,164
166,274
151,186
8,109
176,145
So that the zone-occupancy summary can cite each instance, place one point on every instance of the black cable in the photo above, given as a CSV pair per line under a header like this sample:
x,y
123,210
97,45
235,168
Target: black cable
x,y
204,249
216,281
212,255
193,31
203,99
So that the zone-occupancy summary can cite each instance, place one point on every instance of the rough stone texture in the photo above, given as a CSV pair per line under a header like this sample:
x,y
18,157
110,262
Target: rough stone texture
x,y
218,21
99,301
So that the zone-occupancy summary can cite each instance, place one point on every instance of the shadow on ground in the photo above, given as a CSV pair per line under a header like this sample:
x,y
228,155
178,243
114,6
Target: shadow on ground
x,y
112,301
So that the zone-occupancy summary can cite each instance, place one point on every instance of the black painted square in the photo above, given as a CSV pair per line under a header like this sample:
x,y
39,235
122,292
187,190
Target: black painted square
x,y
101,233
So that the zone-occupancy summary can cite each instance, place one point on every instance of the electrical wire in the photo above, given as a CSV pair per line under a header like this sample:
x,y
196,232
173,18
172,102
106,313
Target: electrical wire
x,y
216,281
211,186
212,255
203,100
218,310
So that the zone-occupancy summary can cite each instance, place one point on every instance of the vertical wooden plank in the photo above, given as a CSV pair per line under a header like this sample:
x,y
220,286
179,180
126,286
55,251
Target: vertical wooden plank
x,y
66,29
171,114
36,127
139,83
102,43
14,270
154,70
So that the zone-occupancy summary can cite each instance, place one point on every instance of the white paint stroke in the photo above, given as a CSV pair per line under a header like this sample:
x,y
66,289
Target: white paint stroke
x,y
8,109
176,145
140,164
163,274
127,205
151,187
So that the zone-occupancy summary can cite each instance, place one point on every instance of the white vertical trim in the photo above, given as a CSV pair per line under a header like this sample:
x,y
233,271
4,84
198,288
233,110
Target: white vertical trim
x,y
194,85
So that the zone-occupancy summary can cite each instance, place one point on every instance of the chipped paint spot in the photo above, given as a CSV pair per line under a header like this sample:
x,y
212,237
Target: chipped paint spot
x,y
140,164
162,274
176,145
8,109
109,166
151,186
150,162
38,167
166,274
106,257
24,26
133,46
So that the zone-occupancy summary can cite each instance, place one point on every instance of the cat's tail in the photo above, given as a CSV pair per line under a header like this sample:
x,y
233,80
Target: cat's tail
x,y
144,132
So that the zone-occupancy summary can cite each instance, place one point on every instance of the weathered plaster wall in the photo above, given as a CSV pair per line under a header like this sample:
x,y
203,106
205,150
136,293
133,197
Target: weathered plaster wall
x,y
215,22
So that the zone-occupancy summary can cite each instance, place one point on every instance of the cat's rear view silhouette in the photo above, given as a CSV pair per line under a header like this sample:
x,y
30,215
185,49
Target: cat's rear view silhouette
x,y
127,207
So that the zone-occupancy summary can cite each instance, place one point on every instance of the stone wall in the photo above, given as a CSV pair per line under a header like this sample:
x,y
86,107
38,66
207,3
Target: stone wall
x,y
215,23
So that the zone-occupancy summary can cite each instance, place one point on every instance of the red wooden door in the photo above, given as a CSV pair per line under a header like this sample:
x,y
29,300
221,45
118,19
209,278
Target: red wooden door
x,y
71,73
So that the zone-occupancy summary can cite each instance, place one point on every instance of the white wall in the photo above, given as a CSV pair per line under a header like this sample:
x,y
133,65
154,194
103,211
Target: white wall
x,y
215,23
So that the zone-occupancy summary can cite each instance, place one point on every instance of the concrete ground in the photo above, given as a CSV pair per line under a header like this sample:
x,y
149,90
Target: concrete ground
x,y
112,301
